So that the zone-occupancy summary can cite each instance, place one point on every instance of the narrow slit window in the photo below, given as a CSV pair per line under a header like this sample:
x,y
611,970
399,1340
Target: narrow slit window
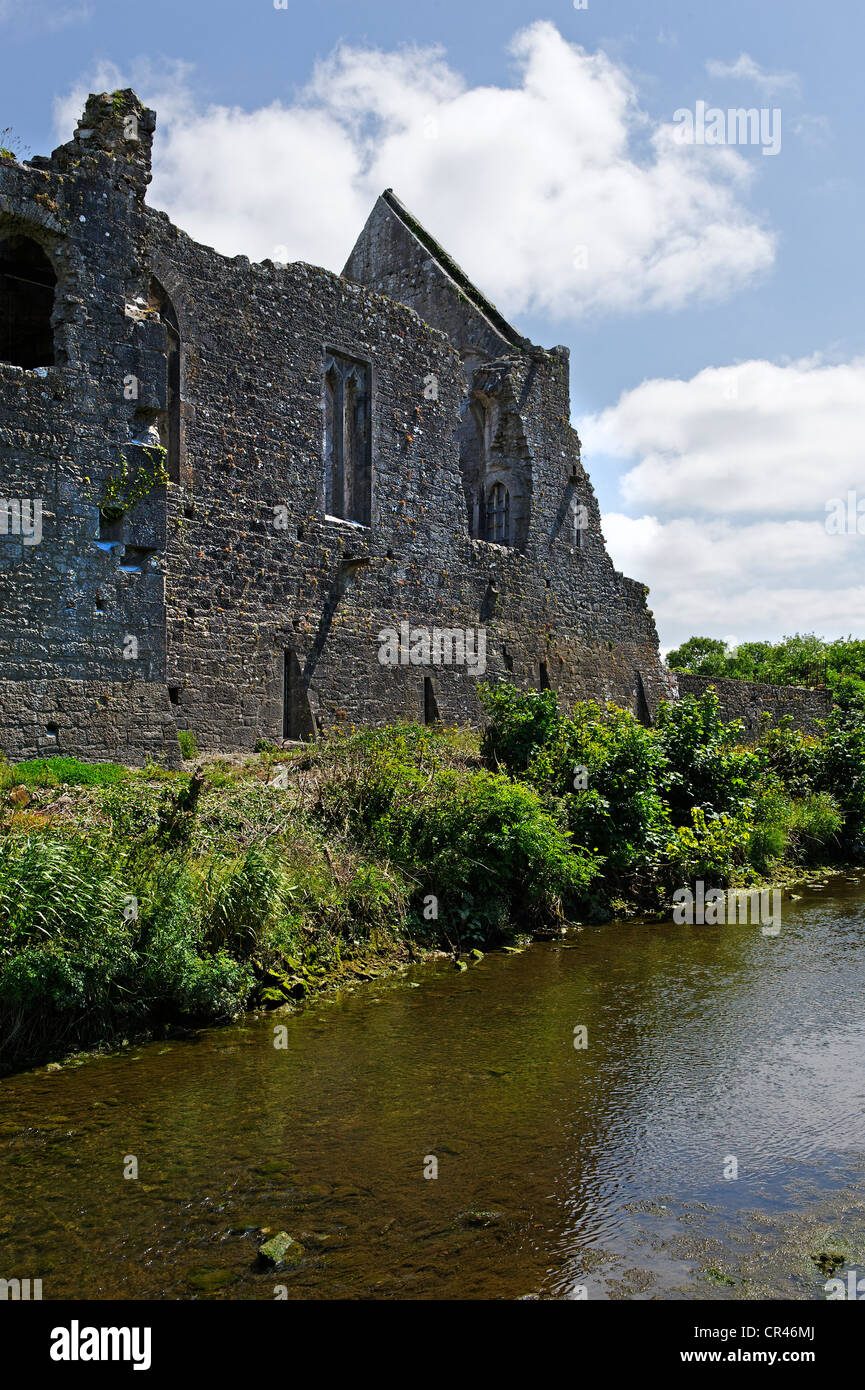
x,y
347,439
498,515
430,706
168,421
297,720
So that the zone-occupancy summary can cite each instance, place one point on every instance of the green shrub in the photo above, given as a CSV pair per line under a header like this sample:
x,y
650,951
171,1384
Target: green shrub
x,y
521,722
839,769
706,765
483,845
771,836
188,744
789,755
606,766
711,848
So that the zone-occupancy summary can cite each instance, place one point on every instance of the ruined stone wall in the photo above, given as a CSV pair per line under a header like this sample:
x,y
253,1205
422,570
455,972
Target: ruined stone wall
x,y
746,700
553,602
99,721
67,602
233,564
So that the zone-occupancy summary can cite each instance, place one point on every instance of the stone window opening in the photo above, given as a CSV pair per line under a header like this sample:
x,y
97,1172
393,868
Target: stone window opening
x,y
496,470
498,515
166,424
27,288
578,522
543,676
641,703
347,439
430,705
112,529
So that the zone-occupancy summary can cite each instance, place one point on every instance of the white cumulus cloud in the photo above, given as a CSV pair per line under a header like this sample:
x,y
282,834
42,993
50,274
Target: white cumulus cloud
x,y
751,439
558,194
734,470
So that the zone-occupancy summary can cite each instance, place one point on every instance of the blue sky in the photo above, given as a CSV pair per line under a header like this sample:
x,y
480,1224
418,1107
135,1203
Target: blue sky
x,y
711,296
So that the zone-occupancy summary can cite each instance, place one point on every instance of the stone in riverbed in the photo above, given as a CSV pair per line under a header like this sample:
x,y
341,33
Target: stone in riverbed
x,y
281,1249
476,1217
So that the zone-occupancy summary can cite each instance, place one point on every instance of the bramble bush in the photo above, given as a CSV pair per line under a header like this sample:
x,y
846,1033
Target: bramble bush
x,y
686,797
481,843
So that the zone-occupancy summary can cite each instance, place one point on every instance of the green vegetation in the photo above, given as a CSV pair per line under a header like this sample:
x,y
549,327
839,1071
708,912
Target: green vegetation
x,y
803,659
135,901
53,772
11,146
686,800
188,743
124,490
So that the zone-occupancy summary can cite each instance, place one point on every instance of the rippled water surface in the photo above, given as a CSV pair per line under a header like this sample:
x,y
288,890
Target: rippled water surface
x,y
558,1168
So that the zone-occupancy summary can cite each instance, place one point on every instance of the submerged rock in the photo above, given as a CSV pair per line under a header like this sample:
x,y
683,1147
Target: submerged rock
x,y
281,1249
476,1217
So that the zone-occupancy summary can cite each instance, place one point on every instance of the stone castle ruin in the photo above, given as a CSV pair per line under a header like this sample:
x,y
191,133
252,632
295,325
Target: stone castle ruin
x,y
222,483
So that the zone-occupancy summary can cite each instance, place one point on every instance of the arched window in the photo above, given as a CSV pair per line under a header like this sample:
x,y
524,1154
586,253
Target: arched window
x,y
168,421
498,515
347,439
27,285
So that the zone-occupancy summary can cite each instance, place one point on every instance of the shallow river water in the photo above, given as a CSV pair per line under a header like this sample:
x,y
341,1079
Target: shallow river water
x,y
710,1050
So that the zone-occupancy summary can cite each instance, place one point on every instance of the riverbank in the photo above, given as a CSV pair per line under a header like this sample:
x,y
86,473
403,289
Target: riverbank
x,y
606,1168
135,902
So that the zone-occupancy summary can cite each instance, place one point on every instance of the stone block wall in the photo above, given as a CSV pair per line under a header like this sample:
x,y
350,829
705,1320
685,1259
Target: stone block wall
x,y
96,721
747,700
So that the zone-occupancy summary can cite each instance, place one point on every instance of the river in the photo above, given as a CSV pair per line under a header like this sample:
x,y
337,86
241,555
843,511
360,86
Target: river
x,y
708,1141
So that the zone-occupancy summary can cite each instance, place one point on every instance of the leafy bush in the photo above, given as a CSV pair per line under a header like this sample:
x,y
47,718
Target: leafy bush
x,y
772,833
706,764
483,845
188,744
711,848
521,722
606,766
788,755
839,769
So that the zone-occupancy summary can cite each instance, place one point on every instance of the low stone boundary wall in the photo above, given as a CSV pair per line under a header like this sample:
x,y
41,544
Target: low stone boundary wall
x,y
746,700
97,721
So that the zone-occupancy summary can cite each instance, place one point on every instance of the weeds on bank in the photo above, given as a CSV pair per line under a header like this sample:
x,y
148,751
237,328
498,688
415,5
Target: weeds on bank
x,y
132,900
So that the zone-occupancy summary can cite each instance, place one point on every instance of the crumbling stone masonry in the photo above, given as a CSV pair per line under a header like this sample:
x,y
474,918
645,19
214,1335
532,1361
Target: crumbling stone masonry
x,y
243,474
749,700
